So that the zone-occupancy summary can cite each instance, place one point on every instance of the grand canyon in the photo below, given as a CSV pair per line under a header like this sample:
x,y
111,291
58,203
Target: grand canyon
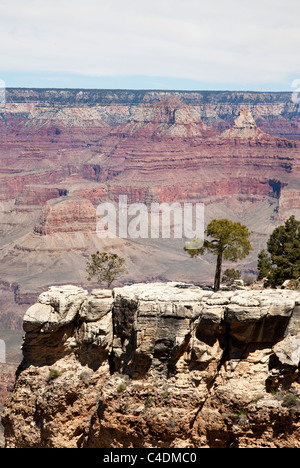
x,y
63,152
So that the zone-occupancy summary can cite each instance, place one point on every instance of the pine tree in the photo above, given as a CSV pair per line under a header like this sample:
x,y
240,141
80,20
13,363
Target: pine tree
x,y
264,265
283,248
230,276
106,267
229,241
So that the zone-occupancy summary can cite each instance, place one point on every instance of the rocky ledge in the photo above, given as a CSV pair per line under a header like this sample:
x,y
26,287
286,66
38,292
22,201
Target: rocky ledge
x,y
158,365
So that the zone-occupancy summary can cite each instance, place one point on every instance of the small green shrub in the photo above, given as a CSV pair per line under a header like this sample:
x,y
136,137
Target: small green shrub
x,y
294,284
230,275
54,374
241,418
121,388
148,403
242,412
291,401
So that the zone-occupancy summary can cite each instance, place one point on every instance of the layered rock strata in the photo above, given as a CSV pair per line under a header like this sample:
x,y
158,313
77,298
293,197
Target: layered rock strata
x,y
236,152
158,365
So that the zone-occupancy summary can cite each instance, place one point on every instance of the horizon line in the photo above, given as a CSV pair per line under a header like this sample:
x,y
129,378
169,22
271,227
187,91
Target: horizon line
x,y
148,89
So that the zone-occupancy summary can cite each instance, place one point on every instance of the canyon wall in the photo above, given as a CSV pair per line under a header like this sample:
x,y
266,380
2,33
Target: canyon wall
x,y
158,365
65,151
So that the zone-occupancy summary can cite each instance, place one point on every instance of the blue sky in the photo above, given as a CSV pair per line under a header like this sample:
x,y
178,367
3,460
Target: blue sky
x,y
69,80
162,44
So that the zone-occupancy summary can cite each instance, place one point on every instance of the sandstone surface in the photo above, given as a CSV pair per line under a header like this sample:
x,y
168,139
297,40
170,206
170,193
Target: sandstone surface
x,y
158,365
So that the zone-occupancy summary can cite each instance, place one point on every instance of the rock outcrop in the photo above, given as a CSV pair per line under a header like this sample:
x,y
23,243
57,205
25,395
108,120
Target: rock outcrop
x,y
158,365
68,214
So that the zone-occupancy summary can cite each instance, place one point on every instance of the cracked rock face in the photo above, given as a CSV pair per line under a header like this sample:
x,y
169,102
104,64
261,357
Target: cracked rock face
x,y
158,365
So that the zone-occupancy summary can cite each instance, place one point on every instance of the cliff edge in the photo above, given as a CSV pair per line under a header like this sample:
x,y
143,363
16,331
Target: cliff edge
x,y
158,365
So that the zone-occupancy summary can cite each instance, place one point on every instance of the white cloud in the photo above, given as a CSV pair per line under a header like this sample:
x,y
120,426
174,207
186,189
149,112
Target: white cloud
x,y
234,41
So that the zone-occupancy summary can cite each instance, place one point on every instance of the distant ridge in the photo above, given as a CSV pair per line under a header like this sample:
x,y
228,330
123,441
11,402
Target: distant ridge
x,y
101,96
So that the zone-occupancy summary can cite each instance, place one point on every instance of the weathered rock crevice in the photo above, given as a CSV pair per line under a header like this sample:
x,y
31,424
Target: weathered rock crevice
x,y
158,365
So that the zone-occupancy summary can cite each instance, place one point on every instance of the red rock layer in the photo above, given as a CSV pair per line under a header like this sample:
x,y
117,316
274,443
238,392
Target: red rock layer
x,y
229,150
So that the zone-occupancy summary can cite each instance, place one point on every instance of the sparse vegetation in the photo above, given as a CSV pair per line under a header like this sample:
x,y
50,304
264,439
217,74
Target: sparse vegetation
x,y
291,401
121,388
241,417
105,267
230,275
293,284
264,265
281,260
148,403
248,278
240,413
54,374
228,241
